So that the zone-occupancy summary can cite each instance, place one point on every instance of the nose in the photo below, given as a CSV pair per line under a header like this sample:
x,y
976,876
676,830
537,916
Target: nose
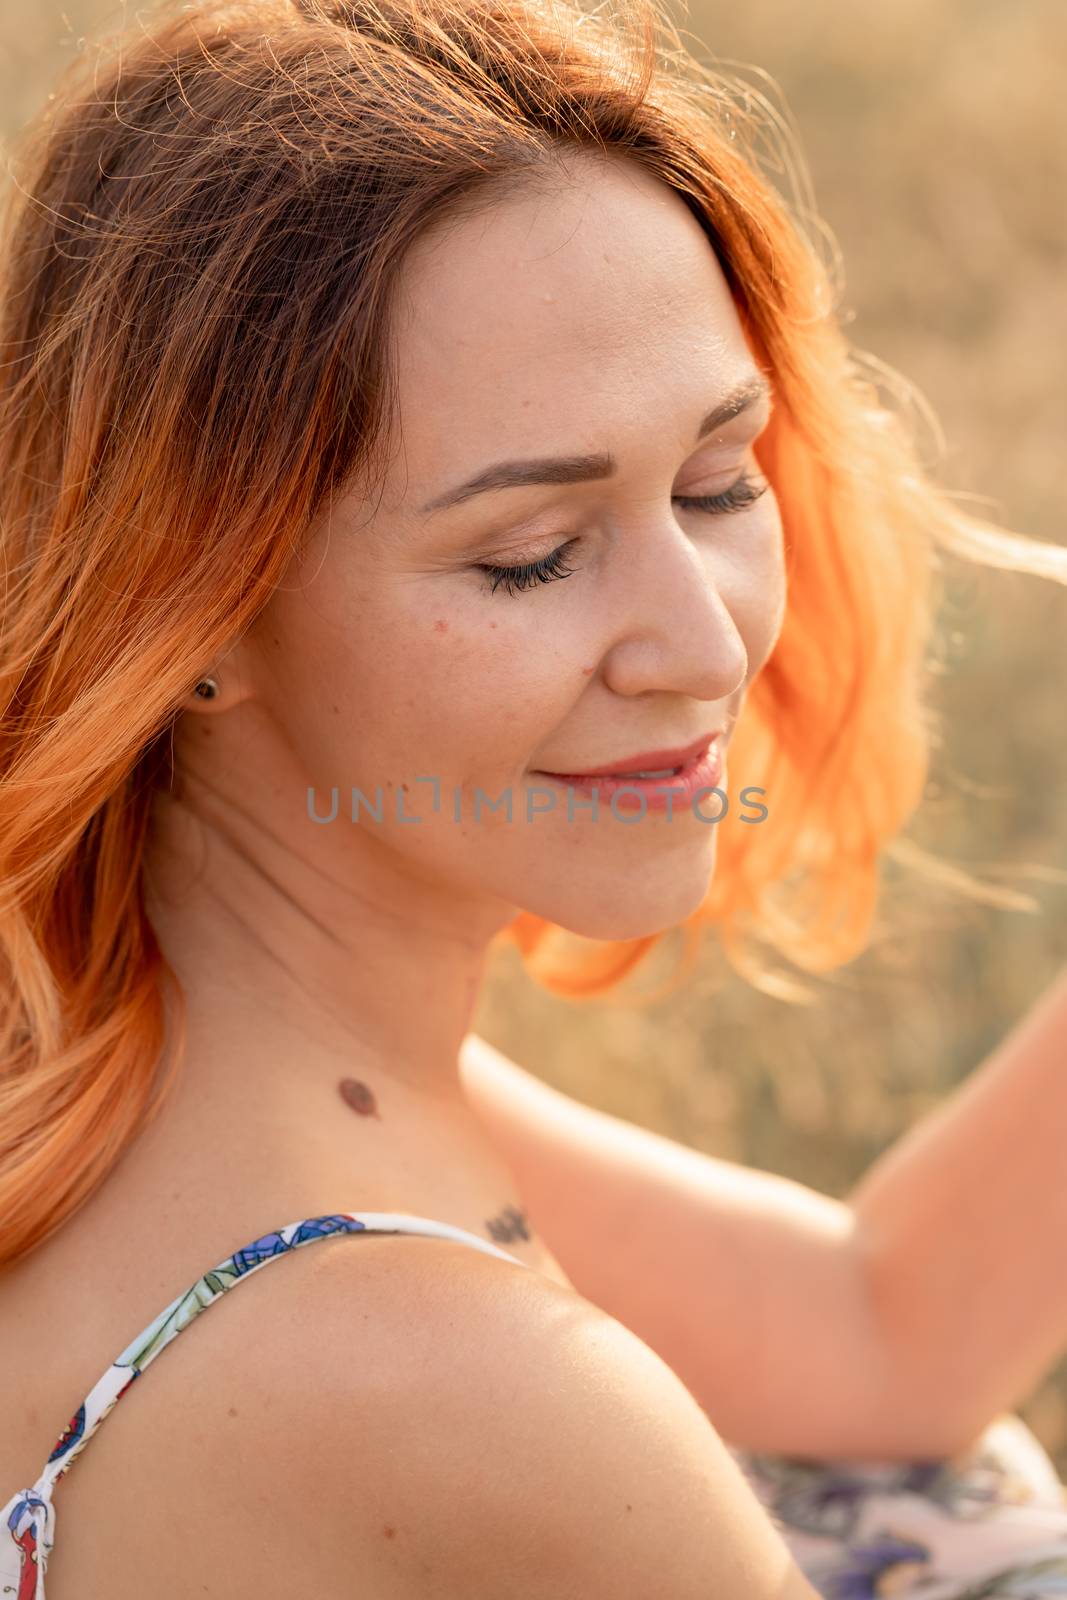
x,y
672,629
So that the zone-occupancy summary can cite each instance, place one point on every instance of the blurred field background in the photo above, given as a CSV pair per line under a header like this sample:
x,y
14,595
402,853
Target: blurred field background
x,y
935,136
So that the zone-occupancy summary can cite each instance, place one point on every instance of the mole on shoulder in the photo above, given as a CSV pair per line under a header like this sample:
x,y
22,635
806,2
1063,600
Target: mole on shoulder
x,y
509,1224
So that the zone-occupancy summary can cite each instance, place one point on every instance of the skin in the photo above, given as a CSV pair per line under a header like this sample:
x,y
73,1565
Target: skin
x,y
594,317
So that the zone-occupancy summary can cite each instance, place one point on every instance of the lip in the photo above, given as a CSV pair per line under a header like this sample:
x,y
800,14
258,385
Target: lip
x,y
700,775
648,760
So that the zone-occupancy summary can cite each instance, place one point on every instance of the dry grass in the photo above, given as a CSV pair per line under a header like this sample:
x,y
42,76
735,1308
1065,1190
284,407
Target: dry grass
x,y
935,134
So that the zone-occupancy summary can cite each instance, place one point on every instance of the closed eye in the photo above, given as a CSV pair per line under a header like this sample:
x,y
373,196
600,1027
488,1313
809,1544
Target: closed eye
x,y
741,494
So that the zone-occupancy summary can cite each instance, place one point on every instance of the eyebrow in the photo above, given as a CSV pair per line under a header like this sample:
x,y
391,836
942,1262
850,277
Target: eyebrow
x,y
583,469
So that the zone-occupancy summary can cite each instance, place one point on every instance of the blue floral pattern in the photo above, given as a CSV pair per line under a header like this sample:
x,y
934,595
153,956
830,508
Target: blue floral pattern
x,y
990,1524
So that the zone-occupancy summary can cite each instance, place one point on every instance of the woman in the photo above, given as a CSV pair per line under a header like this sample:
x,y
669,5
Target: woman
x,y
405,413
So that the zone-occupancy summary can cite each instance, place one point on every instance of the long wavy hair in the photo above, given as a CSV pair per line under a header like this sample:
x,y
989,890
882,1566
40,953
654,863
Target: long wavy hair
x,y
200,248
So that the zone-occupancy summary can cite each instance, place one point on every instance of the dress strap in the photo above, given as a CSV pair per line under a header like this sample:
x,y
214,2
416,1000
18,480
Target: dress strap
x,y
30,1515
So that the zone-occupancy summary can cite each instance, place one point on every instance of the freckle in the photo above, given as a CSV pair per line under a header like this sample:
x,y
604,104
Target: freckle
x,y
440,626
233,1411
334,709
389,1533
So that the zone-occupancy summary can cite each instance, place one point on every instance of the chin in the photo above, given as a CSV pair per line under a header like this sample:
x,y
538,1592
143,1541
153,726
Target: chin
x,y
622,911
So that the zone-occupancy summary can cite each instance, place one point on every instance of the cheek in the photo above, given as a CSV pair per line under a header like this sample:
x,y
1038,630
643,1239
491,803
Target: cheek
x,y
758,604
449,687
763,619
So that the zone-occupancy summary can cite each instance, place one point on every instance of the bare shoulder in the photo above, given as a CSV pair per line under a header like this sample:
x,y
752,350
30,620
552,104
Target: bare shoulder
x,y
254,1457
413,1418
528,1443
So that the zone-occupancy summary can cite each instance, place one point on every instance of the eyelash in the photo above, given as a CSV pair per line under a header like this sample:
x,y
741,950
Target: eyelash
x,y
737,497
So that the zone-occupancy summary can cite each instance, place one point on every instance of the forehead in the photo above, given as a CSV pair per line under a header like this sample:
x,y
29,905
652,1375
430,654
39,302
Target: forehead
x,y
542,319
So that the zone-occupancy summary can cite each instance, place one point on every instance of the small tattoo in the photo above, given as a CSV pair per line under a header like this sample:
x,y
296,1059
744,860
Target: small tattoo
x,y
510,1224
359,1097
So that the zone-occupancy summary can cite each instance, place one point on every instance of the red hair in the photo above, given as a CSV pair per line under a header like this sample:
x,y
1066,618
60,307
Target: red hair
x,y
199,259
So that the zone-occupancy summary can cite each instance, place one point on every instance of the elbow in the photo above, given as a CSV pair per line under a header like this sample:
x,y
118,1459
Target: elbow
x,y
922,1402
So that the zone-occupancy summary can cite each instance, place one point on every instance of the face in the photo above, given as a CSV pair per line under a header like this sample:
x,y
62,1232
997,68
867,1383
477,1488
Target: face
x,y
594,320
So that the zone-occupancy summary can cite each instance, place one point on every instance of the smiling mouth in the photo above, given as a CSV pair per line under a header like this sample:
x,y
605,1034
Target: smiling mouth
x,y
704,768
698,752
586,777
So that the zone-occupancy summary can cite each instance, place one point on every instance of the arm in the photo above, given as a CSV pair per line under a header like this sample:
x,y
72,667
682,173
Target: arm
x,y
749,1286
897,1323
966,1216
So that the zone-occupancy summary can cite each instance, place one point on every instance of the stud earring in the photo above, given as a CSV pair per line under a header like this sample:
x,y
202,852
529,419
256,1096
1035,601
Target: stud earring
x,y
207,689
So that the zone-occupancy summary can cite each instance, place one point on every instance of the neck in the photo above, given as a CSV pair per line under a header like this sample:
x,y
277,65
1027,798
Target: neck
x,y
302,985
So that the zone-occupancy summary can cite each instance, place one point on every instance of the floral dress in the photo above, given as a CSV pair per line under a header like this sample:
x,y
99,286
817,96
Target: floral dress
x,y
987,1525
